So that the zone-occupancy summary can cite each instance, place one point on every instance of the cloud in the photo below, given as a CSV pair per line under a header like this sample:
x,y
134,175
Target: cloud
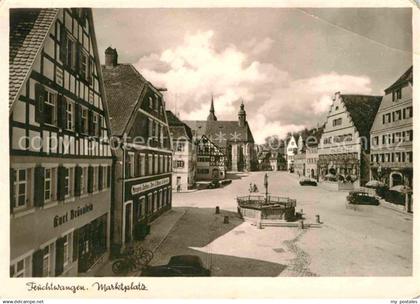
x,y
275,102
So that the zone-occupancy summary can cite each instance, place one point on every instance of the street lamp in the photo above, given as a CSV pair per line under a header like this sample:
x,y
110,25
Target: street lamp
x,y
266,187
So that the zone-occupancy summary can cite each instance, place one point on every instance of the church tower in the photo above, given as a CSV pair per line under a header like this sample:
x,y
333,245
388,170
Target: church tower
x,y
242,115
212,116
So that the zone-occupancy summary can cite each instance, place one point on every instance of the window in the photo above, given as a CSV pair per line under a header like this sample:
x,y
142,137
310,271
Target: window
x,y
151,102
66,182
179,164
410,157
70,115
180,147
149,203
84,117
83,180
409,111
95,177
150,128
155,201
46,262
71,52
142,164
398,115
396,94
150,164
84,65
375,140
160,163
20,195
337,122
95,124
105,177
66,250
408,135
142,207
17,270
47,185
130,165
156,104
156,164
50,100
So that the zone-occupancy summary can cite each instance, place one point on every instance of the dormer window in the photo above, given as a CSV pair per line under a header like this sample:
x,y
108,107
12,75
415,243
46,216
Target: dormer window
x,y
396,94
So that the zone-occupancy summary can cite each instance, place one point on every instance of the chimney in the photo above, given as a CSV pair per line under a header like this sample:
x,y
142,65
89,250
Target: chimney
x,y
111,57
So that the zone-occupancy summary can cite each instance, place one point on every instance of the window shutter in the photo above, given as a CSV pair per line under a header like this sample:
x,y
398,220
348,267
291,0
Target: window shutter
x,y
101,178
90,71
61,183
37,259
90,123
75,245
77,180
39,186
59,256
12,188
78,62
99,126
39,102
108,177
61,111
90,179
63,44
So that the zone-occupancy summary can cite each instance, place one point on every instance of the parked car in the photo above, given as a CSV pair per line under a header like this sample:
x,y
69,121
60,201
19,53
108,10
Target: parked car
x,y
214,184
178,266
358,197
306,181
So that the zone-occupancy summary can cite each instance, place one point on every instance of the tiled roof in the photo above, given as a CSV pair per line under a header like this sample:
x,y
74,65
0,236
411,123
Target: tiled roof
x,y
123,87
407,76
362,109
28,29
221,131
177,127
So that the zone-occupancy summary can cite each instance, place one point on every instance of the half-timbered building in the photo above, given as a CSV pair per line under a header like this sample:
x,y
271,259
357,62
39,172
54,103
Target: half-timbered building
x,y
211,161
143,155
60,157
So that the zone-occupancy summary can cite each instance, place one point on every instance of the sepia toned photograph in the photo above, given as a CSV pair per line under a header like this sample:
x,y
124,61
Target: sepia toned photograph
x,y
210,142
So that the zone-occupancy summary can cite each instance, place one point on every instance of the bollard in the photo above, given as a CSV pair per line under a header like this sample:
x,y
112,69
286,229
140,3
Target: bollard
x,y
217,210
318,219
301,224
226,220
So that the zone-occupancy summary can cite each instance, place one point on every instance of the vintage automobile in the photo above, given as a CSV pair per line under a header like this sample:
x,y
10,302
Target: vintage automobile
x,y
178,266
358,197
306,181
213,184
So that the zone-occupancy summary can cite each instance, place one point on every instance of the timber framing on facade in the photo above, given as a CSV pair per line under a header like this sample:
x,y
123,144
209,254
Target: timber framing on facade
x,y
60,158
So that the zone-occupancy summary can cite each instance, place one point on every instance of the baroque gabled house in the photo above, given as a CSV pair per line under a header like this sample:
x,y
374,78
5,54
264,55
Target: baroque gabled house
x,y
343,151
234,138
60,157
392,134
291,151
143,156
185,154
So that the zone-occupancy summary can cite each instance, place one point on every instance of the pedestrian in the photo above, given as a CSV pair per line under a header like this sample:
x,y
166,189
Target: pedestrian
x,y
250,187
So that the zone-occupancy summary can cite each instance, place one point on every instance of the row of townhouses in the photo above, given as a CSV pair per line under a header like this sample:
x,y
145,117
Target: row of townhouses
x,y
363,138
90,147
94,152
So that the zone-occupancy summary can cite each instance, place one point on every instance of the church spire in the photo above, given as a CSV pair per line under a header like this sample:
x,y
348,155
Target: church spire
x,y
212,116
242,114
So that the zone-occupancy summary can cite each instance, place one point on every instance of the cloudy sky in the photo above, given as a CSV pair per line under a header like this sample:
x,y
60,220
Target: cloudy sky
x,y
284,63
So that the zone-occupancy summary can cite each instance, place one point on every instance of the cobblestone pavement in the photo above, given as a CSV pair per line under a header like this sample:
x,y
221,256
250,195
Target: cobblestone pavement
x,y
367,241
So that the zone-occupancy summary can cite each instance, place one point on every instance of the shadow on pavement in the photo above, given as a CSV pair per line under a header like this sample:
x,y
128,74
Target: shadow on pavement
x,y
194,234
235,175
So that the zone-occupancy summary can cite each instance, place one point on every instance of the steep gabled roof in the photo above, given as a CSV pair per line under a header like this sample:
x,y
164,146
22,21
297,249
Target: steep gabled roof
x,y
28,30
407,76
178,128
221,131
362,110
123,87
